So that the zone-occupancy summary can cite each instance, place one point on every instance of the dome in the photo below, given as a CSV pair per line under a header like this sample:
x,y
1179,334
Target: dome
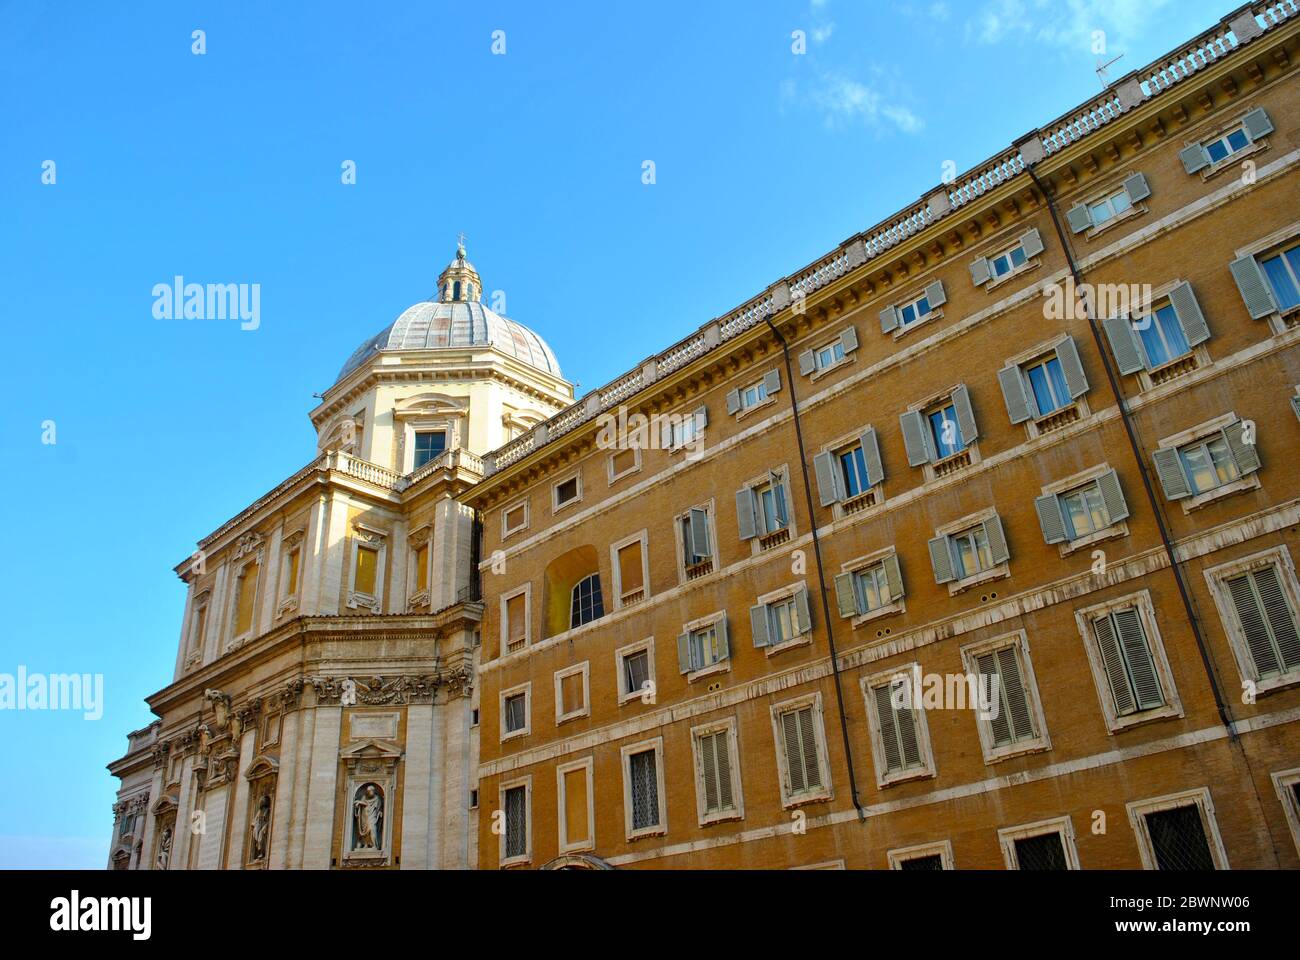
x,y
456,320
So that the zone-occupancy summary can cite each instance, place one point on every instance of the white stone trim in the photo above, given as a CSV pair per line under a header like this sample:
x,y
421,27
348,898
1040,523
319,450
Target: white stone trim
x,y
868,685
943,848
556,506
643,537
1215,577
1062,826
1200,797
826,791
526,690
1283,783
661,828
561,807
526,782
527,591
727,725
626,696
1043,742
583,668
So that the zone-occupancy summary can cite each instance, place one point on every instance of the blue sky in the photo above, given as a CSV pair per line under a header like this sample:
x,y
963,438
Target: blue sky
x,y
225,168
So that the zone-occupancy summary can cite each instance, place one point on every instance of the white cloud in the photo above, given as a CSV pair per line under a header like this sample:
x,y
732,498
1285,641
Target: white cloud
x,y
1068,24
843,100
822,32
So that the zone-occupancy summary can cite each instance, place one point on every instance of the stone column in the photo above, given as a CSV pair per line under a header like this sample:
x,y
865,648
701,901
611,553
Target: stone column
x,y
321,793
183,835
310,559
278,856
420,816
156,787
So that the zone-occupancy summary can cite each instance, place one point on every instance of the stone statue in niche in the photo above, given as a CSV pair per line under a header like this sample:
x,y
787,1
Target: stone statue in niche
x,y
368,818
164,849
261,827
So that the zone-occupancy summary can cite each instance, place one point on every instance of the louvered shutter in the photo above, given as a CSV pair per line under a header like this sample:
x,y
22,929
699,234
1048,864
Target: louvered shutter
x,y
1137,188
997,539
1137,655
1113,662
980,271
1032,244
685,655
1022,723
722,753
1195,158
1113,496
1254,627
1080,218
888,730
849,339
724,639
1124,344
1257,124
1050,519
793,755
999,724
1255,289
1017,398
699,529
916,438
1169,468
1067,351
965,416
893,577
871,456
807,363
808,746
845,596
889,319
1246,454
666,434
772,382
701,417
941,560
803,617
911,749
1281,619
733,401
758,625
709,765
1189,313
935,295
827,468
1295,406
745,518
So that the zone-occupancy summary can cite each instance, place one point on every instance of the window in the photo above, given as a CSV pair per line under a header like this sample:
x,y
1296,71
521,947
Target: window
x,y
643,789
801,751
717,786
571,693
1212,461
1130,668
623,462
1048,845
941,430
869,589
198,628
901,317
679,430
781,619
515,802
697,554
761,509
515,711
1097,213
846,473
1163,338
1287,785
1178,832
1254,126
900,738
1043,386
703,644
577,815
925,856
1164,331
586,604
366,572
429,445
1083,511
291,571
1013,724
1258,598
969,552
515,615
245,597
1270,282
1221,147
830,354
367,566
566,492
422,568
1007,262
514,519
636,675
630,570
755,394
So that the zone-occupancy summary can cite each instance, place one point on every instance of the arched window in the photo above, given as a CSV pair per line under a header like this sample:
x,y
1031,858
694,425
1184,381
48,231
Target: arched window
x,y
587,603
456,291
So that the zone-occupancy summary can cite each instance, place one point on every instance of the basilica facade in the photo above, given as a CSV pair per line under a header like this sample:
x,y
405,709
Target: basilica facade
x,y
969,544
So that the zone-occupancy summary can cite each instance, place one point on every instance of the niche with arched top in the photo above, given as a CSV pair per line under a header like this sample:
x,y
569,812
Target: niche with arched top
x,y
572,591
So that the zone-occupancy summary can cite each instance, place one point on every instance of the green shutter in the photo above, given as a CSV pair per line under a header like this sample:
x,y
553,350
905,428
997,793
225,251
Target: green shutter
x,y
709,763
1050,518
793,754
846,597
980,271
889,320
849,339
807,363
888,730
722,752
916,438
987,666
699,527
826,466
965,415
1022,723
1080,218
1113,661
1195,158
1032,244
808,745
997,539
724,640
803,617
941,560
1189,313
1255,289
871,456
935,295
1113,496
1019,402
1245,454
1257,124
1067,351
759,626
746,521
1124,344
894,577
685,661
733,401
1254,626
772,382
1281,619
1137,188
1169,468
1137,657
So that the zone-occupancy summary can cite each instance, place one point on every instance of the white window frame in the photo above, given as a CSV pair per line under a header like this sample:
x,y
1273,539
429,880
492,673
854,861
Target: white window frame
x,y
1284,782
562,716
710,510
885,777
586,763
994,277
508,531
613,475
1216,577
556,506
998,571
755,486
919,851
727,726
859,565
661,828
626,696
527,856
715,622
1069,484
758,386
1039,744
1141,601
573,593
931,313
1203,432
642,537
233,604
826,791
527,591
781,595
1235,157
1062,826
448,434
366,537
526,690
1200,798
819,368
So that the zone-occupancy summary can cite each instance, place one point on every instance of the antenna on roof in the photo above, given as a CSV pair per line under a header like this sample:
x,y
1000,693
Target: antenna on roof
x,y
1103,72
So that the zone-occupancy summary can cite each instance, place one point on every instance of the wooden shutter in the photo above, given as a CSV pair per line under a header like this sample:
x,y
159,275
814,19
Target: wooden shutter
x,y
997,539
807,363
1188,310
1000,726
1137,188
871,456
701,417
849,339
826,465
1137,656
803,617
980,271
1067,351
1245,454
1022,723
709,769
685,655
699,531
845,595
888,729
808,746
1032,244
745,516
1014,392
516,619
1281,619
1113,662
733,401
1124,344
935,295
571,693
1080,218
965,416
1050,518
724,639
631,574
758,625
1169,468
915,438
1250,615
888,319
894,577
1257,124
722,755
1195,158
907,739
772,382
793,754
1255,289
1113,496
941,560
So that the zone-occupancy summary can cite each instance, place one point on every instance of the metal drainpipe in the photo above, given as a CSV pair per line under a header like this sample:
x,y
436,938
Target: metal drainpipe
x,y
1131,432
821,573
